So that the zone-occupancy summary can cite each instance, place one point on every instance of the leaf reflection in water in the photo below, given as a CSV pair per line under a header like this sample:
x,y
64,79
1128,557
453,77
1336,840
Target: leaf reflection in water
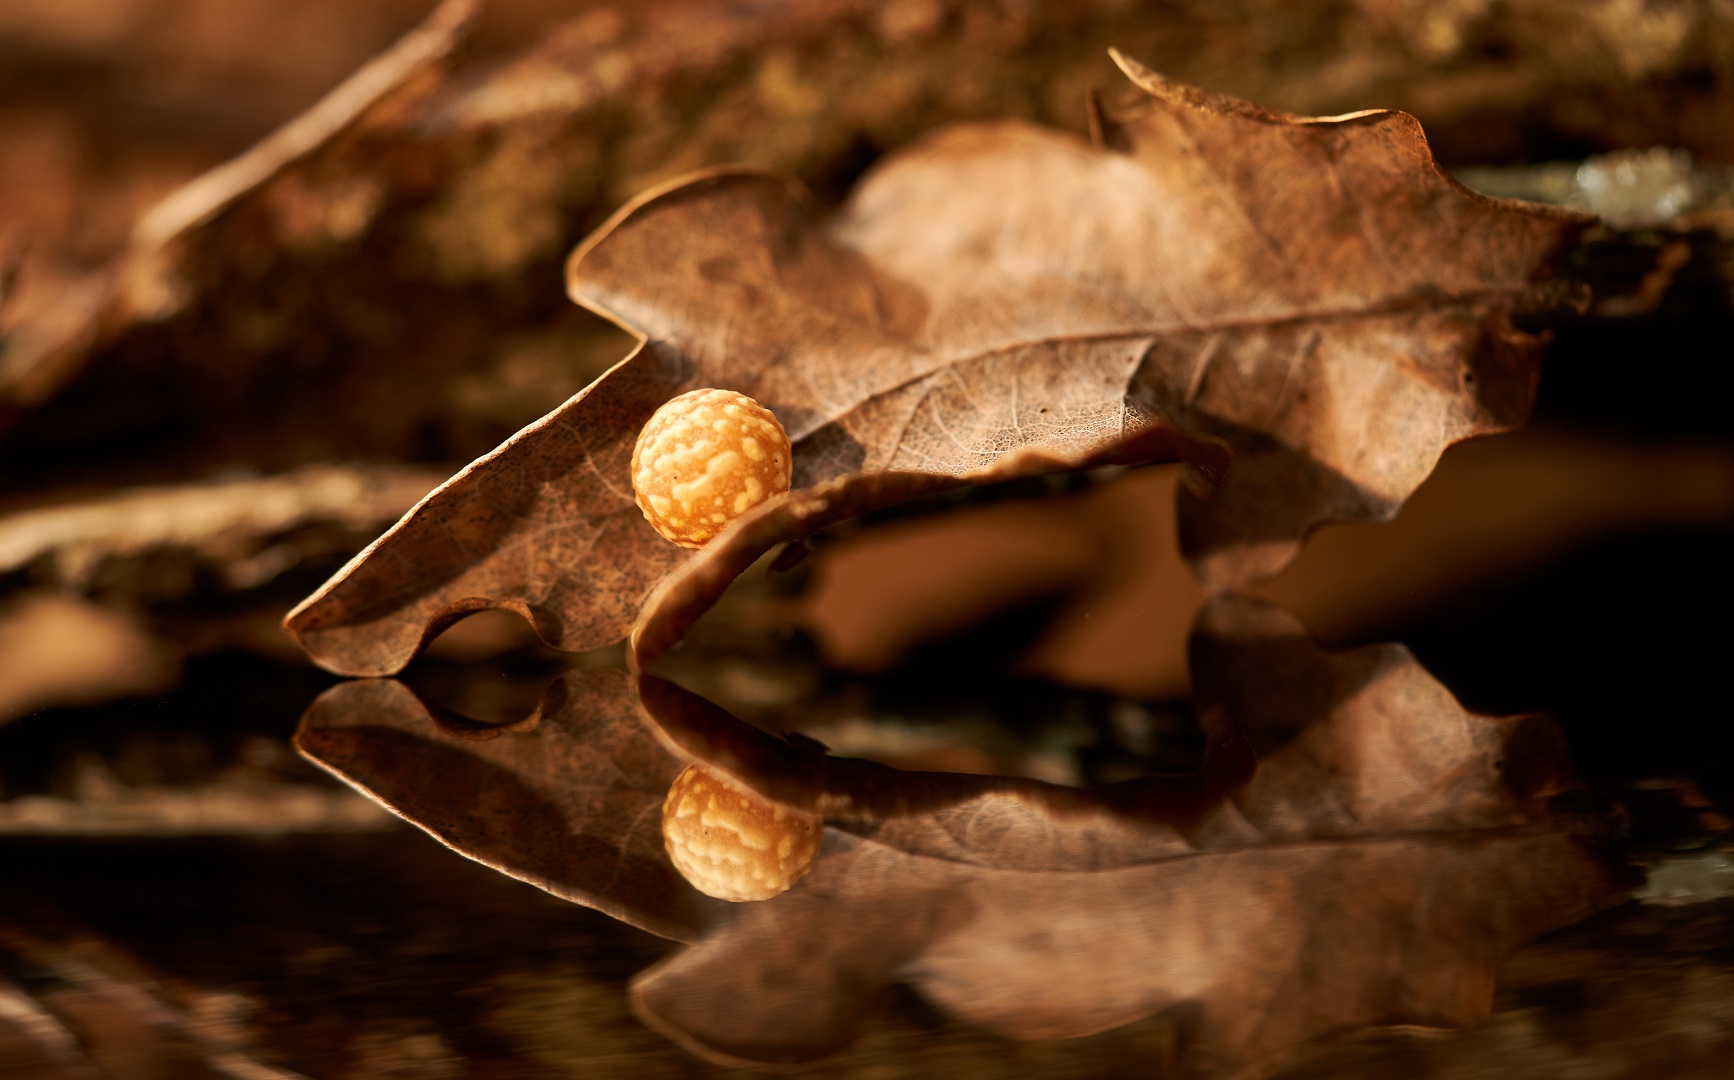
x,y
568,799
1389,852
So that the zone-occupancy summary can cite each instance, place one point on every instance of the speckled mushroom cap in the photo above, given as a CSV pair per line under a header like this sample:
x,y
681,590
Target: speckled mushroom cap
x,y
705,458
732,843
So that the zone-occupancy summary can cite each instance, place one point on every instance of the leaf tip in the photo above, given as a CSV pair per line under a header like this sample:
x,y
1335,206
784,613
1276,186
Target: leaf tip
x,y
1129,67
1163,88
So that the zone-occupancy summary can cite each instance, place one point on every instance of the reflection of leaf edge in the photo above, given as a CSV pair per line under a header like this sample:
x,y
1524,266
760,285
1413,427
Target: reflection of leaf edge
x,y
687,913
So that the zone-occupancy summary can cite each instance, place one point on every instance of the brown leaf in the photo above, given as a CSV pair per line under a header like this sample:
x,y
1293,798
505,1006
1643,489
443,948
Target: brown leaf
x,y
1314,291
546,525
1391,851
687,593
569,800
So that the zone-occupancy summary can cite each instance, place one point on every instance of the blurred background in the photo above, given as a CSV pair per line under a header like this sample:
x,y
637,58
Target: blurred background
x,y
271,269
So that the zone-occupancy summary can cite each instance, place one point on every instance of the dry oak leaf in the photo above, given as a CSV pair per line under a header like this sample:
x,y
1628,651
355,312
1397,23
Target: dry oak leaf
x,y
999,298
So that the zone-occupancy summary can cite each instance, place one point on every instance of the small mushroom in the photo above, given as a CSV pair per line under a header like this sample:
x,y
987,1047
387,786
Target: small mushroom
x,y
732,843
705,458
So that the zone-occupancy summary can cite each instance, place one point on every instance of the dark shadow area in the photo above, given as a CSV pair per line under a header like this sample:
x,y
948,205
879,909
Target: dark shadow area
x,y
1625,640
1662,374
346,931
221,703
